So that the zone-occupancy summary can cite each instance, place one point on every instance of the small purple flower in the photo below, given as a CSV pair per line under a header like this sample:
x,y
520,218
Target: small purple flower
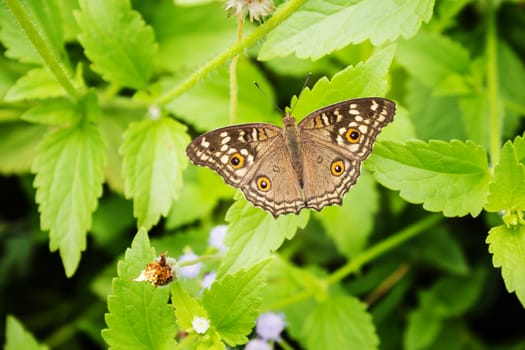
x,y
190,271
270,325
257,344
208,279
216,239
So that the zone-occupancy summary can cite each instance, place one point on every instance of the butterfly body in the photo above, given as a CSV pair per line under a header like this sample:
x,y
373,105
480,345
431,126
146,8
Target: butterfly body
x,y
307,165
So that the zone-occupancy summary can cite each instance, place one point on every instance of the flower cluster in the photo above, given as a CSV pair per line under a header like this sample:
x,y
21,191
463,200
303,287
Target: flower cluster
x,y
269,327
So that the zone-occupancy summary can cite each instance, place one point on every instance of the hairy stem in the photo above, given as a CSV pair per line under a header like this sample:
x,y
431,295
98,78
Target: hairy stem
x,y
283,13
43,47
492,82
233,75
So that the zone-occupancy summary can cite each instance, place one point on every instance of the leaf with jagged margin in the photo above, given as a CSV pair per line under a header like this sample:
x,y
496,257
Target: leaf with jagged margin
x,y
140,316
449,177
17,337
69,181
320,27
119,44
153,160
233,302
254,233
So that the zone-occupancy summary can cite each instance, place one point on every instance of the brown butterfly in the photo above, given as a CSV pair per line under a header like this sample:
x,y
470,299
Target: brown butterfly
x,y
307,165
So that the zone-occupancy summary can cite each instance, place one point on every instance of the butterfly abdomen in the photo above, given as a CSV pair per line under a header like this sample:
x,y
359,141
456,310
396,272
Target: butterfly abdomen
x,y
293,143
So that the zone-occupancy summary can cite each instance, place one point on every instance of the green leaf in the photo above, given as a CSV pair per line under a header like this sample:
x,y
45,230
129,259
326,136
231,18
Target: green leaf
x,y
449,177
59,111
18,46
449,297
186,308
254,233
207,106
507,245
432,58
154,159
45,17
136,258
69,181
285,281
365,79
113,123
422,329
232,302
38,83
178,28
476,118
339,321
511,74
322,26
440,249
507,191
201,193
117,41
357,212
452,296
434,117
17,337
18,145
139,314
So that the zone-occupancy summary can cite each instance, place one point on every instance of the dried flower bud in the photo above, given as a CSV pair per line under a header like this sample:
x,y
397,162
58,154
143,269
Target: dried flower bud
x,y
159,272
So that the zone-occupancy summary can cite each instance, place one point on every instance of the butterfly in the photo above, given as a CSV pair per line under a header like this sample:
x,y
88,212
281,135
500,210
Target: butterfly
x,y
312,164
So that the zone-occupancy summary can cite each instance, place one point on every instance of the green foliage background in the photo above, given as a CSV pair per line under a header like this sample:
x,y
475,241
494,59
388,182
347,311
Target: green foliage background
x,y
99,100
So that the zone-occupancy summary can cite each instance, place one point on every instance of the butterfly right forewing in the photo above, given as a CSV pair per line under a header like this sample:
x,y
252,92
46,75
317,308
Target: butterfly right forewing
x,y
332,125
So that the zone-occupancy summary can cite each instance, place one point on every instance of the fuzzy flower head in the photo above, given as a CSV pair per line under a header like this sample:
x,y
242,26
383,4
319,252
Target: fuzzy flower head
x,y
216,238
255,8
208,280
154,112
190,271
200,324
257,344
270,325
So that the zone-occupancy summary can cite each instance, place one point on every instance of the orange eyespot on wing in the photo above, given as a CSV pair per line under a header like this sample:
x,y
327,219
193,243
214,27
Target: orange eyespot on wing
x,y
337,167
264,184
353,135
237,160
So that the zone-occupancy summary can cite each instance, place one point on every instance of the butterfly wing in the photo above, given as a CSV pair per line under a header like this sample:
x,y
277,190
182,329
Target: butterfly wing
x,y
254,158
334,142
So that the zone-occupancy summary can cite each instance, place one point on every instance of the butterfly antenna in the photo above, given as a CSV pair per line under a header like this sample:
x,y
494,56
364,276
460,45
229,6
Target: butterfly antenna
x,y
305,84
268,96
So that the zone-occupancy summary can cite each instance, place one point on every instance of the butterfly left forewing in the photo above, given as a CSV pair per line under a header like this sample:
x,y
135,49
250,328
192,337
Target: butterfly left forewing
x,y
351,125
234,150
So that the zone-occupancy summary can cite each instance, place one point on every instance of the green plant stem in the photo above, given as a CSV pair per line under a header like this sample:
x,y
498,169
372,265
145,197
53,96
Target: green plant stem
x,y
280,15
368,255
44,48
233,75
492,82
